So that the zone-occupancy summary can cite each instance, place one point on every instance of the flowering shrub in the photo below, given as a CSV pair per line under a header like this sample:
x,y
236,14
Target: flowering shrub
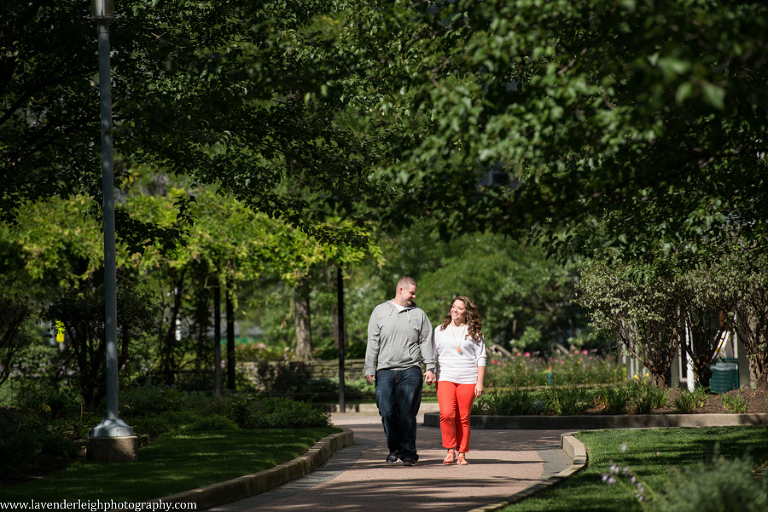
x,y
531,369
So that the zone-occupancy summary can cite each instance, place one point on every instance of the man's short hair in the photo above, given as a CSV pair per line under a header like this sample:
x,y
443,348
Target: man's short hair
x,y
406,281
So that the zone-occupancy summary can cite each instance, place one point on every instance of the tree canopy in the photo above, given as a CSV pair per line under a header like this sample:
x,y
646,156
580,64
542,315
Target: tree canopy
x,y
628,125
623,126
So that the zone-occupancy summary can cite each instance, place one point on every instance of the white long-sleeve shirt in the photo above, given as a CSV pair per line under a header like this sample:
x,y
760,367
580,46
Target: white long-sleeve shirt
x,y
454,366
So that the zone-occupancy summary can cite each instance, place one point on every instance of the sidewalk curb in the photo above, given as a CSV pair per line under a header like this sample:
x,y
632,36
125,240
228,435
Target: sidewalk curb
x,y
573,448
246,486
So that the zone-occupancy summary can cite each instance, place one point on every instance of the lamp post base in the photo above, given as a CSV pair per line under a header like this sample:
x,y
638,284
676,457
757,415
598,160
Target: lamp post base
x,y
112,449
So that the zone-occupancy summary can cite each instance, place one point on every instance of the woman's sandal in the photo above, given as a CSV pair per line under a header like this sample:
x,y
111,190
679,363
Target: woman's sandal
x,y
461,460
449,458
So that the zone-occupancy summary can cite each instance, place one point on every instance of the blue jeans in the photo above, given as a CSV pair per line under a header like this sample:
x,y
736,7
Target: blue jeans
x,y
398,396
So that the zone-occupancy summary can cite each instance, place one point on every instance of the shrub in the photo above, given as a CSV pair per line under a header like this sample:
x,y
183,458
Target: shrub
x,y
725,485
162,423
56,444
249,412
212,422
282,377
17,447
148,400
22,440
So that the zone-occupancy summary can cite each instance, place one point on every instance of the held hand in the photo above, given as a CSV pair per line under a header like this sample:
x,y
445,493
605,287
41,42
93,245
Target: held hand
x,y
370,378
479,390
429,378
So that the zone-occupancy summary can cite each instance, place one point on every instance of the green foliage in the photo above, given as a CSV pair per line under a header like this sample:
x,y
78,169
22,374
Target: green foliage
x,y
646,395
562,400
249,412
147,400
23,439
735,403
654,456
530,369
723,484
175,463
516,402
687,400
282,376
83,316
601,137
616,399
42,382
638,397
212,423
160,423
260,352
638,307
14,311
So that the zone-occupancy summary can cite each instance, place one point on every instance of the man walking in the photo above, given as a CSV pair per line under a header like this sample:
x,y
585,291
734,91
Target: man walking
x,y
399,339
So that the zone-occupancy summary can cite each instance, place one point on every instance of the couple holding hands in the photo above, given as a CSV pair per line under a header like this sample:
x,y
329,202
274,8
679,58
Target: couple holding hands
x,y
400,337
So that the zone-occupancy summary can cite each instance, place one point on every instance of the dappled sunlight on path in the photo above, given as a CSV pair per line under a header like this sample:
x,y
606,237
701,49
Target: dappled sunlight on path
x,y
502,462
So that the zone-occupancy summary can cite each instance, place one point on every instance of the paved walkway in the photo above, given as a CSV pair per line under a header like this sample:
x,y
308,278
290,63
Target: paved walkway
x,y
502,463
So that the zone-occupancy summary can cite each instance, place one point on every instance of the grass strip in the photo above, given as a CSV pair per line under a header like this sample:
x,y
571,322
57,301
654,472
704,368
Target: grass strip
x,y
654,456
176,462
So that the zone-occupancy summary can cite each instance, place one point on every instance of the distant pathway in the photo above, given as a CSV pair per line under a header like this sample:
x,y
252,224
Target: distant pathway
x,y
356,479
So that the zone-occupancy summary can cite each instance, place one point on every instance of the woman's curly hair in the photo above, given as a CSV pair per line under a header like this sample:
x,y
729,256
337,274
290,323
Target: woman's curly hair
x,y
474,324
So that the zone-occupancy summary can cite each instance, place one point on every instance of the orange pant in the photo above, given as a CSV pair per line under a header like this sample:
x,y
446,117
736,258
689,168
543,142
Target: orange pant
x,y
455,401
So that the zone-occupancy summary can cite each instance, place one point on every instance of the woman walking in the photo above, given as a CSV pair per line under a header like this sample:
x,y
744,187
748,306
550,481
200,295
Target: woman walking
x,y
459,350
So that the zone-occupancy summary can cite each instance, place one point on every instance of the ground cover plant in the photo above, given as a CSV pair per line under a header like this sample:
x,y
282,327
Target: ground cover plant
x,y
176,462
650,470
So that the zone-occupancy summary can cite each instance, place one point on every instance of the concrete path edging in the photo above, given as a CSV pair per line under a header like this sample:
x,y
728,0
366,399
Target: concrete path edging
x,y
250,485
578,454
595,422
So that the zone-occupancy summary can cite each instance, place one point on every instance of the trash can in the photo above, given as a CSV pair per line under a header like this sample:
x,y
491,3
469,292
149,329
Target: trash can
x,y
725,375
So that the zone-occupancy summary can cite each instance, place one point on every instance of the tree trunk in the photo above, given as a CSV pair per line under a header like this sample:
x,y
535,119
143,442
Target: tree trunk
x,y
758,367
303,322
230,339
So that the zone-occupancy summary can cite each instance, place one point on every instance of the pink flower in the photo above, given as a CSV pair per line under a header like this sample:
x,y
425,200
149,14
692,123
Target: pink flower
x,y
518,354
584,352
527,354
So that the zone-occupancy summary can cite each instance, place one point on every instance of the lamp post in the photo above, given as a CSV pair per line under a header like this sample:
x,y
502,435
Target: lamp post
x,y
112,440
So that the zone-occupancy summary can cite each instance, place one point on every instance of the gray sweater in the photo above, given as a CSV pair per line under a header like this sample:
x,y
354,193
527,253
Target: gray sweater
x,y
398,340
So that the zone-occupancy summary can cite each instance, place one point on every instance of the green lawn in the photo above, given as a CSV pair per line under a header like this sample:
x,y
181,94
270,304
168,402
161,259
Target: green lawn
x,y
176,462
654,456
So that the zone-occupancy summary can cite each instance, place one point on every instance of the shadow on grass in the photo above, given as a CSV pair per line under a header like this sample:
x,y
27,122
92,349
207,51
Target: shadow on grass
x,y
176,462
